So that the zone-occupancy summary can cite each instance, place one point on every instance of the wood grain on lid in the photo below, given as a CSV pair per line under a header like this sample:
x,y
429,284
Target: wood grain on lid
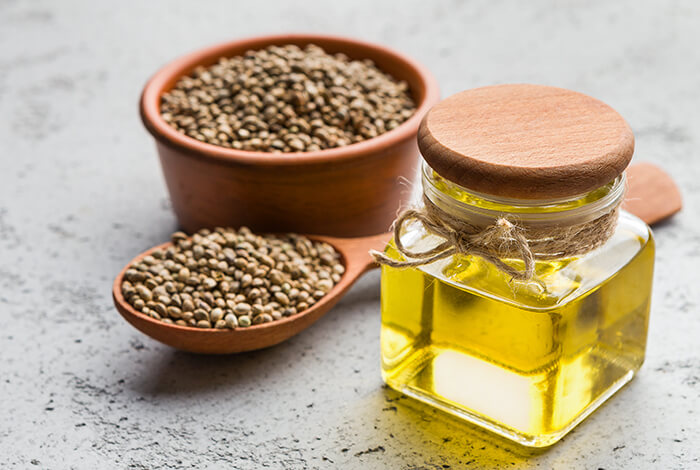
x,y
526,141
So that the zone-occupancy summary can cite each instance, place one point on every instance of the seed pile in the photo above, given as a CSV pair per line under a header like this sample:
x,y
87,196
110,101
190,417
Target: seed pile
x,y
287,99
230,279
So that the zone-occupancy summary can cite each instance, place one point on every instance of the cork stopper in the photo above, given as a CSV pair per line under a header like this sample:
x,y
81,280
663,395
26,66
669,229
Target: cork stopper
x,y
526,141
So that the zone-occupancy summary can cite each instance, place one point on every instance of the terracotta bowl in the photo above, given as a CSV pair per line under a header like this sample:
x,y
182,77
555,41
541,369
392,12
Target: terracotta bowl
x,y
348,191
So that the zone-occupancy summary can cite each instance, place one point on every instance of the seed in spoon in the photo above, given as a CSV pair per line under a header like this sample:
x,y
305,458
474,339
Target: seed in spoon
x,y
228,279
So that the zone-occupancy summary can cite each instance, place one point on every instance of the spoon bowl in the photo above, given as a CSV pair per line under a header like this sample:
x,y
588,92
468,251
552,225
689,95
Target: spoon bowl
x,y
353,252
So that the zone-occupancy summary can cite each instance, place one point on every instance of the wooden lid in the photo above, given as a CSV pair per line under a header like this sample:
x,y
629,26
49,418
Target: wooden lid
x,y
526,141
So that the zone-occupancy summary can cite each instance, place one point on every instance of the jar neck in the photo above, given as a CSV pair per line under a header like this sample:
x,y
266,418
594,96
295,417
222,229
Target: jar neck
x,y
483,209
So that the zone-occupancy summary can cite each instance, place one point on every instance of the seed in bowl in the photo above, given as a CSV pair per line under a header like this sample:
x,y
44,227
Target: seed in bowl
x,y
287,99
231,279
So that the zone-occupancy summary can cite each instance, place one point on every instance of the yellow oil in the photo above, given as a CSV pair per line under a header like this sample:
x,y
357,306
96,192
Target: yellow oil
x,y
528,360
458,193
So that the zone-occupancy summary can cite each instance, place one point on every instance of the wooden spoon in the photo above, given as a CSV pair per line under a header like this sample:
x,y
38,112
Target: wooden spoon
x,y
355,257
652,196
651,193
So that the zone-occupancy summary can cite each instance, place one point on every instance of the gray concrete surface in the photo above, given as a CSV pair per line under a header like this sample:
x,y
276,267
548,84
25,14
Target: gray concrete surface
x,y
81,193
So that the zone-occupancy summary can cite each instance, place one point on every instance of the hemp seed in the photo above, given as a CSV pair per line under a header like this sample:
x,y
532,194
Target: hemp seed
x,y
231,279
285,99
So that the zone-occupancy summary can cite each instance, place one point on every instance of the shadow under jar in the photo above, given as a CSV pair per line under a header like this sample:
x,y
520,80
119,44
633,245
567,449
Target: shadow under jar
x,y
526,358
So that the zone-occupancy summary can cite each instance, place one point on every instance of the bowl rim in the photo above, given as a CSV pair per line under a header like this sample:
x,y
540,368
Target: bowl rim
x,y
149,105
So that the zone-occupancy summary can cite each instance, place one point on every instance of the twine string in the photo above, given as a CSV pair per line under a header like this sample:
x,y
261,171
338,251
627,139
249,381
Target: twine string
x,y
501,240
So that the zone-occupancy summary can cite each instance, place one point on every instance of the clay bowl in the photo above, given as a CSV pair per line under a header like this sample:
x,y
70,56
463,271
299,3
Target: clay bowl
x,y
355,257
349,191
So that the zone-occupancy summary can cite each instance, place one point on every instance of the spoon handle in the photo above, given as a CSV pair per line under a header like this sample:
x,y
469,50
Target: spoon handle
x,y
651,193
356,252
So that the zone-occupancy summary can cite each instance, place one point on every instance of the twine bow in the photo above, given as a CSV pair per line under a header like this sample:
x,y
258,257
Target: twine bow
x,y
501,240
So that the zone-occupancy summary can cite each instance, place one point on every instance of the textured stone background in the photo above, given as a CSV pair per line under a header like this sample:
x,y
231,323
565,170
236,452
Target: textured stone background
x,y
81,193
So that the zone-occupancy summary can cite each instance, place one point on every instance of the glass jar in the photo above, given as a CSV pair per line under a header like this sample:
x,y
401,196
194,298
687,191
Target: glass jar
x,y
527,359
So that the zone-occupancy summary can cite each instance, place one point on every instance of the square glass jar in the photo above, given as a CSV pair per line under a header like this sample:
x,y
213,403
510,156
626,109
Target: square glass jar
x,y
528,360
